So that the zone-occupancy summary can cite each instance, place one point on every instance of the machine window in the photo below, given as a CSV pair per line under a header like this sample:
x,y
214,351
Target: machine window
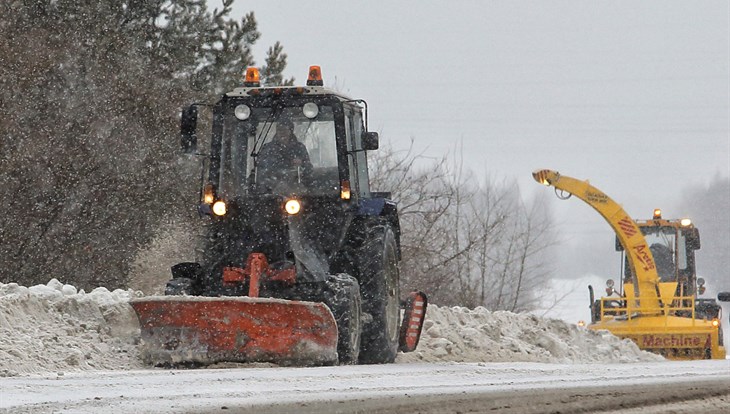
x,y
250,154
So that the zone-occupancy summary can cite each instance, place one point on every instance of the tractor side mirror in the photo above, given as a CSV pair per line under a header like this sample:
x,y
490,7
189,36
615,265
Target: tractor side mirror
x,y
723,296
693,238
370,141
188,126
619,246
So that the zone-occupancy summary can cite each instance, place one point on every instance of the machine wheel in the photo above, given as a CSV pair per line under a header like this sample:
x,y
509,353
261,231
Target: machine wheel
x,y
179,286
377,262
345,303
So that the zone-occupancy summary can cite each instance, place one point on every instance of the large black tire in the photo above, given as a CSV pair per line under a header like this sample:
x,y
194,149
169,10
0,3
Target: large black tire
x,y
377,263
345,303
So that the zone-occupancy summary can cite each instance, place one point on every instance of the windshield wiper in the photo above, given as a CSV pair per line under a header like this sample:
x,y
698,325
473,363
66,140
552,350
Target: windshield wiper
x,y
268,123
259,139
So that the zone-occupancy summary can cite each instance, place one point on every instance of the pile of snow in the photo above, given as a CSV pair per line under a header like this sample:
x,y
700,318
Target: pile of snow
x,y
477,335
55,328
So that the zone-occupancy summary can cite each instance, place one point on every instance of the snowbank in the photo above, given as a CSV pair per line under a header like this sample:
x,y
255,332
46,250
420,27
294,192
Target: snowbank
x,y
55,328
464,335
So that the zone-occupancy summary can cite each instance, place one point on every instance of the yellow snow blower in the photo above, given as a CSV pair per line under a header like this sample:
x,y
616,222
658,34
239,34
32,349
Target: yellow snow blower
x,y
656,306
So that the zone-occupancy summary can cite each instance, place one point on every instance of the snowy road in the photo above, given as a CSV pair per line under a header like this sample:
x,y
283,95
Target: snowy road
x,y
496,387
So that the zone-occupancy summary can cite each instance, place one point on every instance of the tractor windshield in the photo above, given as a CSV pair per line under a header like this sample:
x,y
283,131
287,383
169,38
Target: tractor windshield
x,y
670,251
279,151
662,242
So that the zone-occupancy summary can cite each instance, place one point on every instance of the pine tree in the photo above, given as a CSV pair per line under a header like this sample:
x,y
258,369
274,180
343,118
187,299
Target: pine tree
x,y
91,92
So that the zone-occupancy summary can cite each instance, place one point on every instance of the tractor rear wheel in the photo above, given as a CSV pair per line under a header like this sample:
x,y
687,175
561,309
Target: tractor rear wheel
x,y
345,303
377,263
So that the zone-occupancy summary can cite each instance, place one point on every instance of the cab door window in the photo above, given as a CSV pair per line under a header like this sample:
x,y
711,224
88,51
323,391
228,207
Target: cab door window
x,y
356,159
361,161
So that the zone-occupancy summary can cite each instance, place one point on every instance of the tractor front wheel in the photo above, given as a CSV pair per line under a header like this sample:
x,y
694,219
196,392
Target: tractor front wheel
x,y
345,303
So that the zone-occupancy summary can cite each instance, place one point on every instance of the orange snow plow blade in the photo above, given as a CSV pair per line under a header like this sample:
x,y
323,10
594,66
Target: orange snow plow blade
x,y
187,329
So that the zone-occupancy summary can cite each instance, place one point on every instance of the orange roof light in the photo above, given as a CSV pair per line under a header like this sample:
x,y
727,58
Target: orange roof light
x,y
253,78
657,213
315,76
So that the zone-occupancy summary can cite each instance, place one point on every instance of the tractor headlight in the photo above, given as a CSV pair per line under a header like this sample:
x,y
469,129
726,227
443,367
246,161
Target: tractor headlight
x,y
292,206
220,208
685,222
242,112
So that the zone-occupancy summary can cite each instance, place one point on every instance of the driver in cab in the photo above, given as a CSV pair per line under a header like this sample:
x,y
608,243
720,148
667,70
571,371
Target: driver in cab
x,y
284,156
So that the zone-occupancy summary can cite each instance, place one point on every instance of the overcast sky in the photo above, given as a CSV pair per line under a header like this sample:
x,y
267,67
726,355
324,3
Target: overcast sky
x,y
634,96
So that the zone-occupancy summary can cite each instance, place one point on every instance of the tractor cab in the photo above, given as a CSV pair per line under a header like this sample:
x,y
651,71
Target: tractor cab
x,y
672,244
284,141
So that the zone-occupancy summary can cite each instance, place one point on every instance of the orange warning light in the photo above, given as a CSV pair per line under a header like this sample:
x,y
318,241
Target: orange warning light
x,y
315,76
253,78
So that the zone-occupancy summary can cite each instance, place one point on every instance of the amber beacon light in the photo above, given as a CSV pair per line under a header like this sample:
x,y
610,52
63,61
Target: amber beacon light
x,y
315,76
253,77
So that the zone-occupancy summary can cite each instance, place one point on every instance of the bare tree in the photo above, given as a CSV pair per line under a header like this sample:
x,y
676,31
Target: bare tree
x,y
492,208
466,243
531,271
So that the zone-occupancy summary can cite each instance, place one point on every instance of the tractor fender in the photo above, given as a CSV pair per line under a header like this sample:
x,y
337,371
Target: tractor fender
x,y
386,208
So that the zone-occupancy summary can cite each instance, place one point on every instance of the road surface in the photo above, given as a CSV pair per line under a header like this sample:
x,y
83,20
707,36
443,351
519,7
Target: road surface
x,y
692,387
